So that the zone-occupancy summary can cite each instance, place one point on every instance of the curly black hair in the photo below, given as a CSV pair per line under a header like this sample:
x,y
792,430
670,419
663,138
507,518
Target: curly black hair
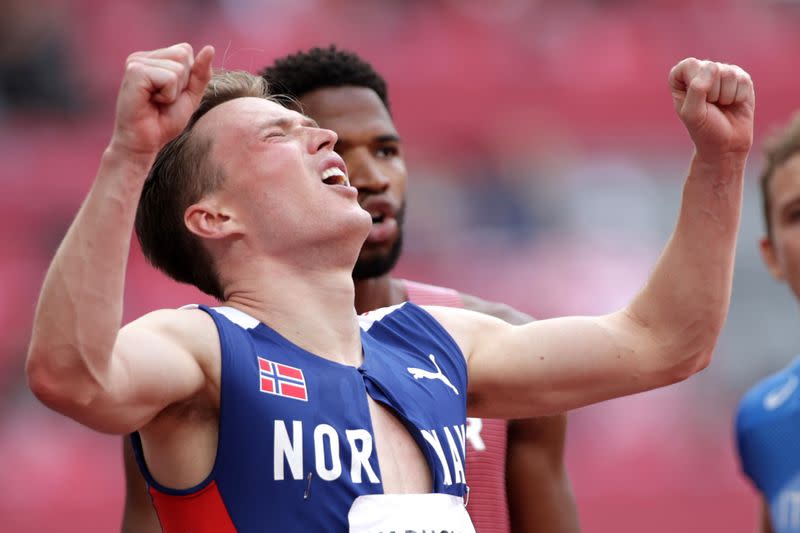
x,y
298,74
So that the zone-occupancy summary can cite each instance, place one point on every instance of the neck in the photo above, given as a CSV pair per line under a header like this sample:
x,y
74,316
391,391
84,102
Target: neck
x,y
311,308
374,293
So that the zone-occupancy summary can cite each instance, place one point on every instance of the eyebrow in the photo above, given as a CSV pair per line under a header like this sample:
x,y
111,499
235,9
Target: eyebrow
x,y
379,139
287,123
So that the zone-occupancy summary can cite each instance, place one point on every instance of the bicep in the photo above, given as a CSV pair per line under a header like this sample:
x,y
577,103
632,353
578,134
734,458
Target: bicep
x,y
549,366
156,361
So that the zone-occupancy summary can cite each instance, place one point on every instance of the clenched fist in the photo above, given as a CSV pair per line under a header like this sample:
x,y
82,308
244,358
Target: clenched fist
x,y
716,103
159,92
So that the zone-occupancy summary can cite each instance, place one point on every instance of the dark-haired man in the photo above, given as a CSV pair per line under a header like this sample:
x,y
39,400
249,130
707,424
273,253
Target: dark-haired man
x,y
284,410
344,93
768,420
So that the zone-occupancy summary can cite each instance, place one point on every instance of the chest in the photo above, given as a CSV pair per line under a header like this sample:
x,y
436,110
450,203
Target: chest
x,y
394,425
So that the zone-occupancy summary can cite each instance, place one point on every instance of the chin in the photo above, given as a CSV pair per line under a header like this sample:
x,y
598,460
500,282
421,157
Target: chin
x,y
374,264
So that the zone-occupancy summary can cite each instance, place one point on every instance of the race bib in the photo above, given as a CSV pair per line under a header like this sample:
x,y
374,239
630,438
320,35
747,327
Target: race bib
x,y
409,513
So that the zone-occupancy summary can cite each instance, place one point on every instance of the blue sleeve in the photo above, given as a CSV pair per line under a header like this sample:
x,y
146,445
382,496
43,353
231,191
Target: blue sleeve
x,y
768,432
745,421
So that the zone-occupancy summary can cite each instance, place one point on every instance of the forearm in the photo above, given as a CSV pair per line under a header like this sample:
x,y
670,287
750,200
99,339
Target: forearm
x,y
685,302
80,307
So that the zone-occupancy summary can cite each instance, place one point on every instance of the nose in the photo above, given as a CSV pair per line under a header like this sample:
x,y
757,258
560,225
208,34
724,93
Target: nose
x,y
323,139
365,173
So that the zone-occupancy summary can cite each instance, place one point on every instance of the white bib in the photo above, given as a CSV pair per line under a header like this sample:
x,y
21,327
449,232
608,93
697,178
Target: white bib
x,y
409,513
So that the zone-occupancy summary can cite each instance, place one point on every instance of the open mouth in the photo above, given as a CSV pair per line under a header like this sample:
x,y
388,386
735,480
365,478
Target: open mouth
x,y
335,176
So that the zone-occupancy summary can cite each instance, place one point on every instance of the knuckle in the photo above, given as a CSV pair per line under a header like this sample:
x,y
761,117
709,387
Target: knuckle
x,y
134,57
728,74
134,66
184,51
180,70
698,84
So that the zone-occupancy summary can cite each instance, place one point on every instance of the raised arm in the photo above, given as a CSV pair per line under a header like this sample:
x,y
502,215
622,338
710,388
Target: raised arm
x,y
669,330
78,361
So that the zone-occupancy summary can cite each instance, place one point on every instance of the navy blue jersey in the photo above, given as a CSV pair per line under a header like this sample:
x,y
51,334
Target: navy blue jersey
x,y
296,444
768,438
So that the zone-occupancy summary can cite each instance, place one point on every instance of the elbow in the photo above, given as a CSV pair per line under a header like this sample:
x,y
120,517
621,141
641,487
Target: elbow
x,y
693,364
36,373
59,381
684,346
686,351
692,353
41,380
65,384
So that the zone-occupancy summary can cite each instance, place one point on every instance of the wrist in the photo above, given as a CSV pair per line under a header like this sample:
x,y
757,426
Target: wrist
x,y
123,171
725,166
136,163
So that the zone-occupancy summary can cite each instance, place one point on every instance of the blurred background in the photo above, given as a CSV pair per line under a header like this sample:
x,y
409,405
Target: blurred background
x,y
546,166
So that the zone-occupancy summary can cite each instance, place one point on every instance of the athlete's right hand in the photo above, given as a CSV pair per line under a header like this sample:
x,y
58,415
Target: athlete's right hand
x,y
159,92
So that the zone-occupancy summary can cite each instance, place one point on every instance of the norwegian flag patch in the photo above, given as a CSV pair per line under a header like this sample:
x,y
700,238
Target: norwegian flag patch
x,y
282,380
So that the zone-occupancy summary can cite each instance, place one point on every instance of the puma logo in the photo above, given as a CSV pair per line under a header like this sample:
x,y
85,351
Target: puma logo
x,y
419,373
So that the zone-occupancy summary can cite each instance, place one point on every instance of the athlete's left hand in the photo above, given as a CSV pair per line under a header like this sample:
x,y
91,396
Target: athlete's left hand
x,y
716,103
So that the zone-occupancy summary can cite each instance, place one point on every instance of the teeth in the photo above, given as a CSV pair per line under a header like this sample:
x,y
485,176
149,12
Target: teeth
x,y
335,171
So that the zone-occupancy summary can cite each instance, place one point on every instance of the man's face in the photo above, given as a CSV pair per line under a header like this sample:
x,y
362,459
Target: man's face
x,y
370,145
284,184
782,252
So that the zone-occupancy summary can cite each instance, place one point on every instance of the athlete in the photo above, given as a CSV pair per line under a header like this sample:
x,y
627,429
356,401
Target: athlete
x,y
344,93
282,409
768,419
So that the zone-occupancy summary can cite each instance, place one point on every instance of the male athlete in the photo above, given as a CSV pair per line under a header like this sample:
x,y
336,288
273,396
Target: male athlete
x,y
283,409
768,421
343,93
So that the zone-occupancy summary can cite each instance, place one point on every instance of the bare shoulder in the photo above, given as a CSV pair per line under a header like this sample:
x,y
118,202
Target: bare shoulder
x,y
189,320
496,309
193,330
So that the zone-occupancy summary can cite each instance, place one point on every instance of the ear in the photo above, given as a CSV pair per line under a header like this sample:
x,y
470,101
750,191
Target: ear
x,y
210,220
770,257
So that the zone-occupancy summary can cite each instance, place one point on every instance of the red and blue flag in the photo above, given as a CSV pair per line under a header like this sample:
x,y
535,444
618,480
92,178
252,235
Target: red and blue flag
x,y
282,380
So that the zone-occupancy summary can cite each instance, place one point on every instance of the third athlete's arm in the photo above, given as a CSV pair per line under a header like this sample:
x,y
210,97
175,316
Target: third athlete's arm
x,y
765,519
139,515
